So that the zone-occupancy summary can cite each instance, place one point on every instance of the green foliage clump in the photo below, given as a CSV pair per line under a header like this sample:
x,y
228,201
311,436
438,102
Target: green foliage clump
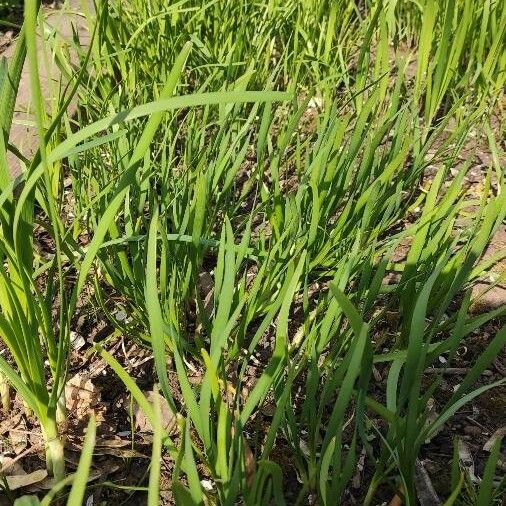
x,y
258,186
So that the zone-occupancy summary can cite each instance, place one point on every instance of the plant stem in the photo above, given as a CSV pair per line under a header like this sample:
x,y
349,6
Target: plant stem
x,y
54,450
61,410
4,394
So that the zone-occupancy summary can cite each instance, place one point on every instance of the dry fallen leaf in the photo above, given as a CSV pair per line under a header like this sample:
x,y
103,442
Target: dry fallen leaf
x,y
10,466
25,480
432,416
249,463
499,433
124,453
112,443
466,459
395,501
48,483
426,494
206,287
18,436
357,478
5,395
10,422
169,420
116,447
81,396
77,341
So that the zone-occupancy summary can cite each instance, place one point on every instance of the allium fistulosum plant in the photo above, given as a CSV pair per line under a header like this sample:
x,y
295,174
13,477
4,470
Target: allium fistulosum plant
x,y
259,241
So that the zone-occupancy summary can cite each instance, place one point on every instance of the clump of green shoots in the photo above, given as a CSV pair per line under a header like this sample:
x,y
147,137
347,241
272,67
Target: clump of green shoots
x,y
26,324
253,236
